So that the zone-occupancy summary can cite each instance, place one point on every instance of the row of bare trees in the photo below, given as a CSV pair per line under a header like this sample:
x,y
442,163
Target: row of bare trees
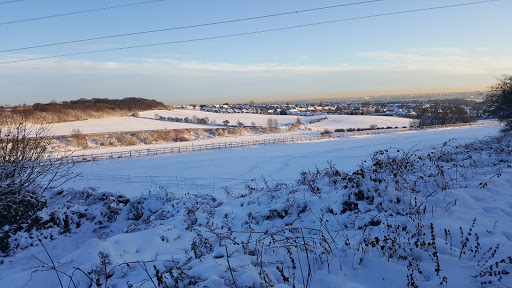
x,y
27,170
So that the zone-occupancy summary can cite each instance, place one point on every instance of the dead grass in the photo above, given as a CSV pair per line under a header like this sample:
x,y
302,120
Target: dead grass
x,y
78,140
126,139
230,131
295,126
69,116
107,141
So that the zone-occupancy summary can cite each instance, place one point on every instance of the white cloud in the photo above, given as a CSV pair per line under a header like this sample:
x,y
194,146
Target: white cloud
x,y
173,79
170,66
442,50
446,59
443,59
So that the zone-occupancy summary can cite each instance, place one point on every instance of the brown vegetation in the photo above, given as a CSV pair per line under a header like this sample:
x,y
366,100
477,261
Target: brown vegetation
x,y
273,125
326,133
125,139
232,131
295,125
27,170
81,109
79,140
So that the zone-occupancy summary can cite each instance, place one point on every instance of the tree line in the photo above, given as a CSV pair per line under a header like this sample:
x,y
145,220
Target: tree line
x,y
80,109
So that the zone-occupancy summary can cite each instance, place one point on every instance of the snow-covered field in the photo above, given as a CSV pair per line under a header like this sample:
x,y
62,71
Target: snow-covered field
x,y
403,217
332,122
278,162
147,121
119,124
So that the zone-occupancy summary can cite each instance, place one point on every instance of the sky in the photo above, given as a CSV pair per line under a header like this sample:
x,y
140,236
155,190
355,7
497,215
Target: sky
x,y
461,48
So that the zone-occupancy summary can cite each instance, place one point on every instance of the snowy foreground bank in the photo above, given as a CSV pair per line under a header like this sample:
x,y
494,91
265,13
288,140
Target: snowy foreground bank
x,y
437,216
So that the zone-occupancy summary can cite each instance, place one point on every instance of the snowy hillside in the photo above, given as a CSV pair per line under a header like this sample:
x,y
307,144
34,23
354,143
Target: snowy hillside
x,y
387,212
334,121
147,121
163,128
119,124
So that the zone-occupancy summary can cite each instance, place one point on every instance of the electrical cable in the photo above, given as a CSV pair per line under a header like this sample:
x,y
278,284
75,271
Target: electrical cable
x,y
9,2
253,32
76,12
187,27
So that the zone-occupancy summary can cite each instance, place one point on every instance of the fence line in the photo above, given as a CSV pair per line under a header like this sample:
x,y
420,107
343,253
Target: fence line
x,y
225,145
180,184
200,147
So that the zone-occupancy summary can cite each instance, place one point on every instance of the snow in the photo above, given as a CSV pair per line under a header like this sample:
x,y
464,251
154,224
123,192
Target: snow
x,y
119,124
147,121
192,227
332,122
283,162
359,121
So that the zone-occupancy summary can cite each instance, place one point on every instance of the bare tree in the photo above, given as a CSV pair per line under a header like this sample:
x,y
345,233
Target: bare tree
x,y
272,124
500,101
27,170
79,138
275,124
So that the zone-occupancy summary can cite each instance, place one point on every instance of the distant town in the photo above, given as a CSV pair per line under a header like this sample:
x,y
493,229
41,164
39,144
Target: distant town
x,y
426,109
460,108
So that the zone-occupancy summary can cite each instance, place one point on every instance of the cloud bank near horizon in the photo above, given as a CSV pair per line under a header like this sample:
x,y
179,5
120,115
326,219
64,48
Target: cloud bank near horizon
x,y
176,81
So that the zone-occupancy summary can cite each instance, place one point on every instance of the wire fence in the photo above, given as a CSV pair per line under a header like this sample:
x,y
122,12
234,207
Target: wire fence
x,y
225,145
178,184
215,185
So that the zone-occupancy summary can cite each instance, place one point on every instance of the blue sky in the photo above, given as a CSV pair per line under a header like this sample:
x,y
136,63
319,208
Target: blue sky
x,y
452,49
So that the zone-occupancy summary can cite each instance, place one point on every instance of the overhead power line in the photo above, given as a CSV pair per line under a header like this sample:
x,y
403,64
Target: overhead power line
x,y
74,12
254,32
8,2
188,26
